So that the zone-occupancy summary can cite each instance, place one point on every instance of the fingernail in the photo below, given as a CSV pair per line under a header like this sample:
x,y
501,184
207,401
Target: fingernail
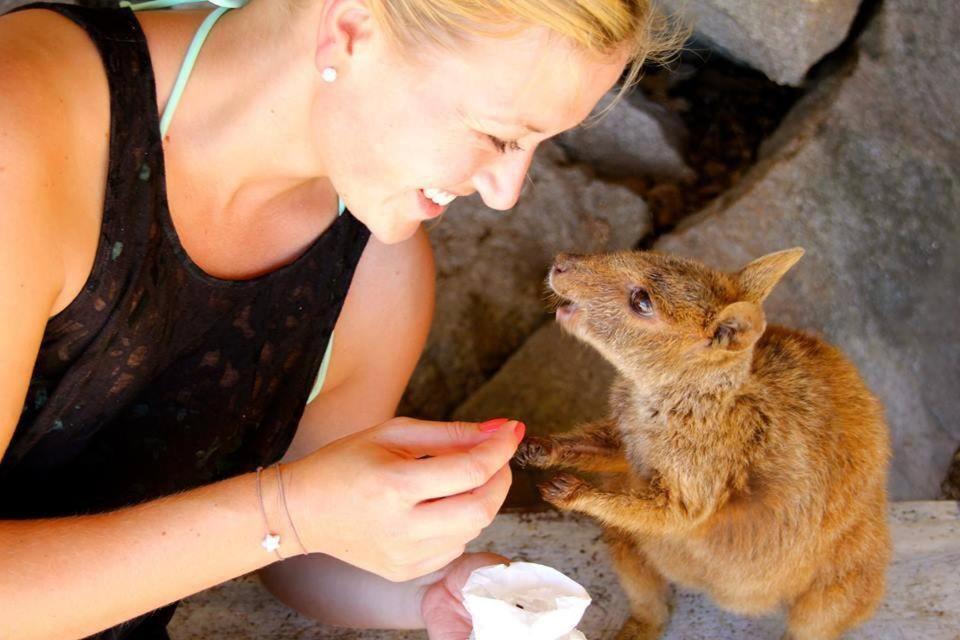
x,y
492,425
520,430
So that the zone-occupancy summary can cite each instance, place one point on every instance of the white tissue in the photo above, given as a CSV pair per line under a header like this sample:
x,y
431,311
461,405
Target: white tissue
x,y
552,604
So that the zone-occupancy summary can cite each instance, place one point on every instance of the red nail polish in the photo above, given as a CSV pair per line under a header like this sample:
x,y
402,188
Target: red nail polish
x,y
492,425
520,430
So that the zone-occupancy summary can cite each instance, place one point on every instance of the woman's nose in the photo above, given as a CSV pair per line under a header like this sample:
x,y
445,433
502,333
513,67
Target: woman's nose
x,y
500,182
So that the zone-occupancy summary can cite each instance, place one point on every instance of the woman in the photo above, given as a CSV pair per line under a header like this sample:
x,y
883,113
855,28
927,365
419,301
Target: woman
x,y
167,302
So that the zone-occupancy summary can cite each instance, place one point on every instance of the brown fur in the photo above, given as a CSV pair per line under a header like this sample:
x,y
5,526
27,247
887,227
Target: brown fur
x,y
749,461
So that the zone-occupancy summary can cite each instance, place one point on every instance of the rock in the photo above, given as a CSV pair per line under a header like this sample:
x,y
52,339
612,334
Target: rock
x,y
10,5
864,175
635,138
921,601
553,382
781,39
491,267
950,487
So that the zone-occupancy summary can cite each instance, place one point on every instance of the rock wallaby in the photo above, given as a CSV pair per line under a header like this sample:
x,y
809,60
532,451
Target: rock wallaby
x,y
744,461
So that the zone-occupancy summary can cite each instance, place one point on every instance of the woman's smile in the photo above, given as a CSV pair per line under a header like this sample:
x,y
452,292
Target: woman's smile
x,y
433,202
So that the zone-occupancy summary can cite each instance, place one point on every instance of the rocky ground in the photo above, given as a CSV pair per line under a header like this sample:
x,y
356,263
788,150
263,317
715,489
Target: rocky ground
x,y
922,601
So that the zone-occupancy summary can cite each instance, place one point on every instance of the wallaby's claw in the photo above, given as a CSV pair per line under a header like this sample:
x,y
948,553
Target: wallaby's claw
x,y
562,489
534,452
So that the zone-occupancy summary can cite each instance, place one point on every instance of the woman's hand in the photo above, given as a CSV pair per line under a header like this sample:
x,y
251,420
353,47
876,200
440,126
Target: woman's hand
x,y
402,499
442,608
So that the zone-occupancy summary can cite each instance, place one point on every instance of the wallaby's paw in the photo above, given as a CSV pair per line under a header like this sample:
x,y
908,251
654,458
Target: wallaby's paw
x,y
562,489
634,629
534,452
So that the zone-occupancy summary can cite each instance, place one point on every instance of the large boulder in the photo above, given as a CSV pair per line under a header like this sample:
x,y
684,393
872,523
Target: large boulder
x,y
781,39
865,174
632,137
552,383
491,267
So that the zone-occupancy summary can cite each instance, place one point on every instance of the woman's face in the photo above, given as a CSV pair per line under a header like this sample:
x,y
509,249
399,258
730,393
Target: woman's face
x,y
452,124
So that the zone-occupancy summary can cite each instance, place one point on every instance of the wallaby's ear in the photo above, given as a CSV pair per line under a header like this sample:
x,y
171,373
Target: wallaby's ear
x,y
738,326
758,278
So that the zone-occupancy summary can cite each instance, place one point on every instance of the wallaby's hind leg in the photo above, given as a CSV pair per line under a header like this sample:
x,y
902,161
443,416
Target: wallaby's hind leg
x,y
647,591
826,611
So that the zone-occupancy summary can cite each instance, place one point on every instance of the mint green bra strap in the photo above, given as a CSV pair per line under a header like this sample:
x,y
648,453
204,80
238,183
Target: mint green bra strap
x,y
325,363
322,373
191,58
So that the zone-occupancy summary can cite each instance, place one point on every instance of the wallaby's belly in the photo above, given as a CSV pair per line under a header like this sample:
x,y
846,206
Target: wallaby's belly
x,y
732,577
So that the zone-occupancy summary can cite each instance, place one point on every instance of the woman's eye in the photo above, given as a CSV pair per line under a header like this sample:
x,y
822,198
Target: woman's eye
x,y
640,302
503,145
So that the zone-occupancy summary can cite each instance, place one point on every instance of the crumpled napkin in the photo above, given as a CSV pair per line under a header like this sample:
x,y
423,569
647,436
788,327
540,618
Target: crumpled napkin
x,y
524,601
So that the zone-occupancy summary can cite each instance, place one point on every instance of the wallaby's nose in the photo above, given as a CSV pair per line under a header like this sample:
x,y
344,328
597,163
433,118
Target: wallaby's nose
x,y
565,262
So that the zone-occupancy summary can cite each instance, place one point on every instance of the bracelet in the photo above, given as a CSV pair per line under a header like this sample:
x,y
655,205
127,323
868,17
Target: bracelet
x,y
283,497
271,541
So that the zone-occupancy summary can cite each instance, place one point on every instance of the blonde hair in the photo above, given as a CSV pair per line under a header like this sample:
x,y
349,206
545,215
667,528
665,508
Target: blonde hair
x,y
599,27
602,27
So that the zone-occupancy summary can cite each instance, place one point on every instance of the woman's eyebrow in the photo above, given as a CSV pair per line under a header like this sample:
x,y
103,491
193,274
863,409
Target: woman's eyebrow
x,y
522,125
500,121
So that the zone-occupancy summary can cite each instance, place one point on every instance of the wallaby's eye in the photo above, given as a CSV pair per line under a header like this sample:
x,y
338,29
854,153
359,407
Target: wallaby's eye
x,y
640,302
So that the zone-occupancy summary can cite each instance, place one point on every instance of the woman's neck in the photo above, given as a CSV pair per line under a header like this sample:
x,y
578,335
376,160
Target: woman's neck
x,y
243,167
241,137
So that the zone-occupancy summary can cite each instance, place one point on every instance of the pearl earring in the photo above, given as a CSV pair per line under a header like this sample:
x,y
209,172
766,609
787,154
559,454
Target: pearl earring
x,y
329,74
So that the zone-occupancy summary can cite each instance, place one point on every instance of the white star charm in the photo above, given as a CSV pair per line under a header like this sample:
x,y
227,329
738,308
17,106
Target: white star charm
x,y
270,542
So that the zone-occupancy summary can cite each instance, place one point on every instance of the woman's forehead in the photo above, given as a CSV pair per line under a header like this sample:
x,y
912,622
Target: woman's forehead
x,y
532,81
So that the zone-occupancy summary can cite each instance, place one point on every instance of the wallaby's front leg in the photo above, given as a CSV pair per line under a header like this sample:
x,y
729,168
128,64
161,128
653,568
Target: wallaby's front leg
x,y
651,510
594,446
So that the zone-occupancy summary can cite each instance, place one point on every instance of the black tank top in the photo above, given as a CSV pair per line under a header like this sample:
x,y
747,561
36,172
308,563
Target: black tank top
x,y
158,377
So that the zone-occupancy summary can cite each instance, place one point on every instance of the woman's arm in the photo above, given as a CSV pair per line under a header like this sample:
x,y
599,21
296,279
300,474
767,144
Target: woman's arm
x,y
336,593
71,577
111,567
379,337
380,334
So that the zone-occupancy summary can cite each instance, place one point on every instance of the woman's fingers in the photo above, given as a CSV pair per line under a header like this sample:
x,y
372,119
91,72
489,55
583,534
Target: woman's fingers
x,y
419,438
467,513
453,473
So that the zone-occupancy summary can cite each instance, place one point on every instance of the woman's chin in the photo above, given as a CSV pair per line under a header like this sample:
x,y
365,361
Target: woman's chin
x,y
395,233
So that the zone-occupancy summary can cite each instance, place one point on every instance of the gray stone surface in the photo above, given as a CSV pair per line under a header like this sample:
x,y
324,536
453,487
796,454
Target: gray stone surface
x,y
922,602
491,267
8,5
635,137
552,383
864,175
781,39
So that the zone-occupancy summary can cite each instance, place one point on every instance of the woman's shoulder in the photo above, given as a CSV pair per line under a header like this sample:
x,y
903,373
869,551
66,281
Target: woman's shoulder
x,y
54,137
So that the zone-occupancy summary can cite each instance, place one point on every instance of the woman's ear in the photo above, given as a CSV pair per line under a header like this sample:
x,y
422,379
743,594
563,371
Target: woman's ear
x,y
737,327
344,25
758,278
